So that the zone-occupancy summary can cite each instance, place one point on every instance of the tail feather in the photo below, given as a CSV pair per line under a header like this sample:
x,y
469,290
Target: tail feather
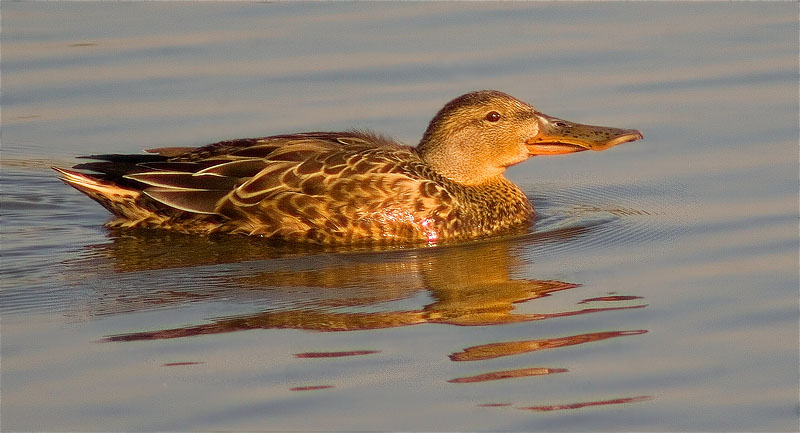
x,y
91,185
113,167
121,201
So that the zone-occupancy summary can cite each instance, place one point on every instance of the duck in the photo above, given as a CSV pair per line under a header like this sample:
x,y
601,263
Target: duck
x,y
345,188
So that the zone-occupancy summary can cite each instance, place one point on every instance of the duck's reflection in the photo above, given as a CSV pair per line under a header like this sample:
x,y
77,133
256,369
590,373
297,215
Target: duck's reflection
x,y
507,348
508,374
301,288
580,405
460,285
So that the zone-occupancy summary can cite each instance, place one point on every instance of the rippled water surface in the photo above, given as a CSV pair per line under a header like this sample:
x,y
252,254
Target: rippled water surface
x,y
656,290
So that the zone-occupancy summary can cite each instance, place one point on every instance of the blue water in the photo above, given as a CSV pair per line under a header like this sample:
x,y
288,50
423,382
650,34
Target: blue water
x,y
656,290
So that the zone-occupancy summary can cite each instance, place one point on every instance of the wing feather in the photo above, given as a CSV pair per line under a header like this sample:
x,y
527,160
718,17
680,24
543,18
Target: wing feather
x,y
267,181
185,181
197,201
244,168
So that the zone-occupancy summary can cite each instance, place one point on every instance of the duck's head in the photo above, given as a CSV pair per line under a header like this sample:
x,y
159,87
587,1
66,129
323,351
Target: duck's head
x,y
475,137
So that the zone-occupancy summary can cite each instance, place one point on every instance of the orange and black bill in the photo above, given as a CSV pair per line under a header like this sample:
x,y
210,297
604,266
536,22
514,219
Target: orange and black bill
x,y
558,136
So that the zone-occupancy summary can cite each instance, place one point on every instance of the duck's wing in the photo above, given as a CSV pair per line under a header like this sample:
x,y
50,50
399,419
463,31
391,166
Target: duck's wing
x,y
237,174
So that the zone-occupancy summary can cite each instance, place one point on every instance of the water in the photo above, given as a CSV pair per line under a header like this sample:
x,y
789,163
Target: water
x,y
657,289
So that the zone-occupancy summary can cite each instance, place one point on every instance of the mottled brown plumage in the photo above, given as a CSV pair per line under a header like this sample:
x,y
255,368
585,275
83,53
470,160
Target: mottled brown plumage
x,y
345,187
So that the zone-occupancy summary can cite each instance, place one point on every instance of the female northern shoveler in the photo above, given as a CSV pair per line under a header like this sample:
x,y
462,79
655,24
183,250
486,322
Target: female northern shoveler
x,y
346,187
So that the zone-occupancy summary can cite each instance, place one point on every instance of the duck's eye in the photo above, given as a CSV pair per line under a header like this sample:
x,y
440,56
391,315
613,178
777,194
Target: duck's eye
x,y
493,116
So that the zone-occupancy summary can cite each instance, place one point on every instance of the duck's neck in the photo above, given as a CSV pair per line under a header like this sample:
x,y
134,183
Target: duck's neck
x,y
496,205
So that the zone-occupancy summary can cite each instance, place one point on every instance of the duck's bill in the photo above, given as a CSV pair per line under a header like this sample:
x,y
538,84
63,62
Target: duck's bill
x,y
557,137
